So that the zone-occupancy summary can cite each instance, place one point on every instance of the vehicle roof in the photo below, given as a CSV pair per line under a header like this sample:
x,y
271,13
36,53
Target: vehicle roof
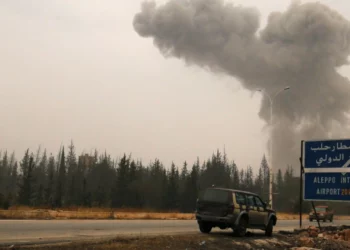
x,y
233,190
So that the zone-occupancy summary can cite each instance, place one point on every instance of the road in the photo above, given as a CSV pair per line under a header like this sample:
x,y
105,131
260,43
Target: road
x,y
35,231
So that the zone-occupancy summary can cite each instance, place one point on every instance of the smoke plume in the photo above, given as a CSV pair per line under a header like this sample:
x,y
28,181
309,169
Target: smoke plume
x,y
301,47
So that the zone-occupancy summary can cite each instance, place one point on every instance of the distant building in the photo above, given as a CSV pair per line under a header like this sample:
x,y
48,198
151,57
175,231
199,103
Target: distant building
x,y
86,160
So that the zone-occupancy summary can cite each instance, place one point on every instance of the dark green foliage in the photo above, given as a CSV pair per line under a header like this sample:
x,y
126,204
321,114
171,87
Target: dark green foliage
x,y
97,180
26,186
60,183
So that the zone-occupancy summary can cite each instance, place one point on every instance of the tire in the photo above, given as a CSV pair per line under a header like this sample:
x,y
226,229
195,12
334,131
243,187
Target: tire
x,y
205,228
331,219
310,220
241,229
269,229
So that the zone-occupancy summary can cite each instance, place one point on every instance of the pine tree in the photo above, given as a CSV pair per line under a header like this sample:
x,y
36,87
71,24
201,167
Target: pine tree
x,y
235,177
72,167
60,181
135,185
120,194
13,183
154,193
39,173
242,179
172,193
259,183
266,174
249,179
25,192
50,182
3,174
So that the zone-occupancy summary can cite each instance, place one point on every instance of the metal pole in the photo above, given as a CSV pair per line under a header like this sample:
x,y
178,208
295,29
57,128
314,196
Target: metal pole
x,y
318,220
271,130
271,171
301,186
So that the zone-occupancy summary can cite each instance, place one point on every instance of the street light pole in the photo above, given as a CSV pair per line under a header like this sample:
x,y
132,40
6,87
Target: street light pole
x,y
271,100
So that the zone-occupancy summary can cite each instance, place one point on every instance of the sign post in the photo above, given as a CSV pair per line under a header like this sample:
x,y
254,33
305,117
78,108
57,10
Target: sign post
x,y
325,169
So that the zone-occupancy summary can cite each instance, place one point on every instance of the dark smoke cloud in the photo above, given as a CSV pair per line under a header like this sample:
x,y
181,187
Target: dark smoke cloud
x,y
301,48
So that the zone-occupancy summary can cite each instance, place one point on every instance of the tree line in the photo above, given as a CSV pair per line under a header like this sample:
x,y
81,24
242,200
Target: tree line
x,y
97,180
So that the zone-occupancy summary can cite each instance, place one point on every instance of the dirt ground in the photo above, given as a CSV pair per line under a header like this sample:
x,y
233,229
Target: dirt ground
x,y
197,241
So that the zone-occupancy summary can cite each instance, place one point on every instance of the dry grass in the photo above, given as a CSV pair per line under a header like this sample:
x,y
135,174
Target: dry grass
x,y
91,213
288,216
108,213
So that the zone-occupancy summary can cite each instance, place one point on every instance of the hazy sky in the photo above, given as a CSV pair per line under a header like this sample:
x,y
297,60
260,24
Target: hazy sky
x,y
78,70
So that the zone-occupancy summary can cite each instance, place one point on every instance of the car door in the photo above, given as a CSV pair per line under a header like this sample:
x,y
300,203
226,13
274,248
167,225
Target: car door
x,y
252,210
262,216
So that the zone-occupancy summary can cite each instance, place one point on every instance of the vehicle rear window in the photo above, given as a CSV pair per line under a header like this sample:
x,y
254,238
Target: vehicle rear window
x,y
320,209
215,195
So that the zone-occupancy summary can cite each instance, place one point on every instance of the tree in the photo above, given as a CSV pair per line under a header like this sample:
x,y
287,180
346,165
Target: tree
x,y
249,179
154,188
3,173
50,183
72,167
192,188
172,193
235,177
61,181
101,179
120,194
259,183
135,185
39,173
266,176
25,191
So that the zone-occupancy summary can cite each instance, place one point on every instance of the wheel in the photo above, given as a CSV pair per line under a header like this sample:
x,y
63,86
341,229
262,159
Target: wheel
x,y
205,228
311,220
241,229
269,229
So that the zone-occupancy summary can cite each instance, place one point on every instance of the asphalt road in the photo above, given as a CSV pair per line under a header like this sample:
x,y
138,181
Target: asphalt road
x,y
35,231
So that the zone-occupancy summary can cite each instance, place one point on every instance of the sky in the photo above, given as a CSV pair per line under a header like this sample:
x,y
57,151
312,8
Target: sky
x,y
77,70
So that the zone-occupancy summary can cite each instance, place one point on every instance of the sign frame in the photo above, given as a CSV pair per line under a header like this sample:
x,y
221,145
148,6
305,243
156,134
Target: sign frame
x,y
303,167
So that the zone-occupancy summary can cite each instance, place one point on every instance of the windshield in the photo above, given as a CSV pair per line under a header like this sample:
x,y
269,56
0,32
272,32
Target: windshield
x,y
215,195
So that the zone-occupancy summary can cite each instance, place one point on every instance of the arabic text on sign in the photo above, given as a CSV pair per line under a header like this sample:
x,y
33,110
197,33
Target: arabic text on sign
x,y
340,146
329,159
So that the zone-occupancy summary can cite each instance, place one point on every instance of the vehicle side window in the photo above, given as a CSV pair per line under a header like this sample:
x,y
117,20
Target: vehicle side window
x,y
258,202
240,199
250,200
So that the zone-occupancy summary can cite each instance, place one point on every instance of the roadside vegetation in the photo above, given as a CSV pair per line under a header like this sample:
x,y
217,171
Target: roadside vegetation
x,y
96,185
109,214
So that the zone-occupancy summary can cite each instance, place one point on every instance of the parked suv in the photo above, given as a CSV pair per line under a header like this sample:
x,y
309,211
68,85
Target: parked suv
x,y
323,212
239,210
